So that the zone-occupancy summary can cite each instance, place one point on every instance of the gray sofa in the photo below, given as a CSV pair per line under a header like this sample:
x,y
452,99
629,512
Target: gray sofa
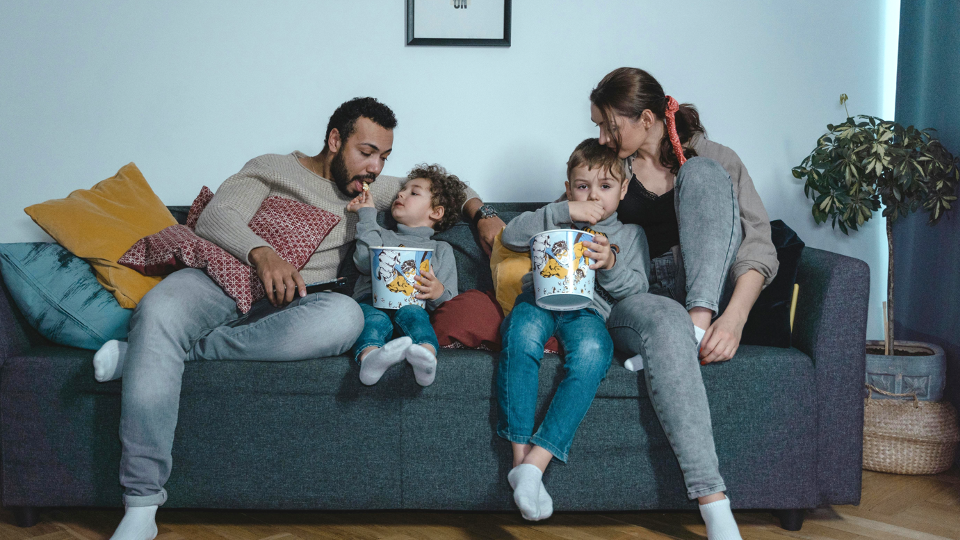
x,y
307,435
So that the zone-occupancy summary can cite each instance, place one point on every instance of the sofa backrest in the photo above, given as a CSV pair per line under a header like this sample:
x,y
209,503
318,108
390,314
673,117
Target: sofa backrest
x,y
473,265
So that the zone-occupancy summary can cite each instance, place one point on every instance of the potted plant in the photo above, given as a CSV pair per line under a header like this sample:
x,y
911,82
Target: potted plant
x,y
866,163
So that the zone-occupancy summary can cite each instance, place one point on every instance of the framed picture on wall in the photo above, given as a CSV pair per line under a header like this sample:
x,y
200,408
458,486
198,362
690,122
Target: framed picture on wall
x,y
484,23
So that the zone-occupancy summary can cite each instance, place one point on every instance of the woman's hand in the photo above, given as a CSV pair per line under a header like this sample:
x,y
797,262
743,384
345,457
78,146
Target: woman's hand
x,y
363,200
586,211
722,339
600,252
428,286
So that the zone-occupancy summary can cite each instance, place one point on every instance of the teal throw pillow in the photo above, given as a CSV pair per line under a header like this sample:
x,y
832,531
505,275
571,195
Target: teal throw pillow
x,y
60,296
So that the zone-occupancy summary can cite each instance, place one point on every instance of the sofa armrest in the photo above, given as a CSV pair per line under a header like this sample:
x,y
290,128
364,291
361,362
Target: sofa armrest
x,y
831,327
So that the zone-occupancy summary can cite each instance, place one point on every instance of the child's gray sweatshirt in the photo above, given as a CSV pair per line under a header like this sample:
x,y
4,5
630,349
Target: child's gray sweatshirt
x,y
628,275
371,234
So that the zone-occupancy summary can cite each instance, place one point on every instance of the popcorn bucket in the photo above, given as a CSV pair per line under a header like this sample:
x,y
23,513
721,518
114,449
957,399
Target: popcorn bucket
x,y
393,271
562,278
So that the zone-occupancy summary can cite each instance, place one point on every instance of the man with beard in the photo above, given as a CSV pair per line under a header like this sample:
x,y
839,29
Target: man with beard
x,y
188,317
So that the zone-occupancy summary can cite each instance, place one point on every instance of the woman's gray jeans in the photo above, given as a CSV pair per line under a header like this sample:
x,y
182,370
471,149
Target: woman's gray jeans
x,y
657,324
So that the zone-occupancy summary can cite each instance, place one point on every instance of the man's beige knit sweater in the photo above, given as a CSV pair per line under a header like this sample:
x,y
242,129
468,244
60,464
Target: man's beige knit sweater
x,y
224,221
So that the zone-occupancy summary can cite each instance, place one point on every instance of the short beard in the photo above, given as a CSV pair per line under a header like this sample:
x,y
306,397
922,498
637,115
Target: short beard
x,y
341,177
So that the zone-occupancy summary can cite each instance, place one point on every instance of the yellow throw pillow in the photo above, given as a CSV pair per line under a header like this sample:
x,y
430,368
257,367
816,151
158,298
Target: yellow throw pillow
x,y
507,267
793,304
101,223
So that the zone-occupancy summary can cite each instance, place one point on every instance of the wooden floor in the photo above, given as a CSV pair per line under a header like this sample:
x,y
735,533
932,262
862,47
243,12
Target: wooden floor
x,y
892,508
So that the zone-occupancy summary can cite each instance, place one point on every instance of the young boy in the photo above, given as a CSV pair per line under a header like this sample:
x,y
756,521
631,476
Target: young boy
x,y
429,202
595,186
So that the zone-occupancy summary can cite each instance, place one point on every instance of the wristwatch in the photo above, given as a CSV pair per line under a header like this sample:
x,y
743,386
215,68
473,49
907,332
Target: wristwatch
x,y
485,211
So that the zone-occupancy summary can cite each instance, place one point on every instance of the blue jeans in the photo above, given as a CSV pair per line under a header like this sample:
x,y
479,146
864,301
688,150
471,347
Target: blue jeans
x,y
588,351
380,325
188,317
658,326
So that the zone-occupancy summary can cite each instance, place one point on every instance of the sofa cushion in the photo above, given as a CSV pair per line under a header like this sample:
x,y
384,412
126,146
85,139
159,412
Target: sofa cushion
x,y
100,223
507,268
471,319
59,295
763,407
294,229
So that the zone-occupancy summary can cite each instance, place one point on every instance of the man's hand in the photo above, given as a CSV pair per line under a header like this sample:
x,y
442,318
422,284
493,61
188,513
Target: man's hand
x,y
363,200
428,286
586,211
489,228
600,252
280,279
722,339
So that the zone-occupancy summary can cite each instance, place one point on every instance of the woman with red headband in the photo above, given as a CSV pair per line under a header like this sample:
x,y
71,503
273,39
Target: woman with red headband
x,y
710,253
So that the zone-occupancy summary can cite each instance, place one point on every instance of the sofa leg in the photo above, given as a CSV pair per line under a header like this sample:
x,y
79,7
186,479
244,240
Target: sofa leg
x,y
791,519
26,516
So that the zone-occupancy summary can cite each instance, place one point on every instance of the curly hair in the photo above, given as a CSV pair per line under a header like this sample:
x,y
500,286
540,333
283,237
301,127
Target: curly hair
x,y
346,115
446,190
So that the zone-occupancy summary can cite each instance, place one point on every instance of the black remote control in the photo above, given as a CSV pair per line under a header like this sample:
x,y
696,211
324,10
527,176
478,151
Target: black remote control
x,y
326,285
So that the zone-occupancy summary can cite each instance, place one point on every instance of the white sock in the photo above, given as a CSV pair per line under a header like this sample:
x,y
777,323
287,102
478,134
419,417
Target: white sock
x,y
719,519
377,362
424,364
138,523
634,363
544,500
108,361
698,333
529,493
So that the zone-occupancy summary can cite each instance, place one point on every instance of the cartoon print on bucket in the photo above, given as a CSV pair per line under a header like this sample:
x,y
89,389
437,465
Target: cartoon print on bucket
x,y
562,277
394,271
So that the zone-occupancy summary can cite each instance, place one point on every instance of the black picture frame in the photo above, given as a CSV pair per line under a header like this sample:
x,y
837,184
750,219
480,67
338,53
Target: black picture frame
x,y
458,42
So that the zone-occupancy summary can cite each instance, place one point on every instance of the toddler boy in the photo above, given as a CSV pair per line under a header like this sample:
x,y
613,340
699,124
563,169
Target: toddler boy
x,y
429,202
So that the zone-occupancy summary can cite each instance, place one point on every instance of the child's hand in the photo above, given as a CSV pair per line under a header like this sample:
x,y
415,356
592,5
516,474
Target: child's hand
x,y
586,211
600,252
363,200
429,286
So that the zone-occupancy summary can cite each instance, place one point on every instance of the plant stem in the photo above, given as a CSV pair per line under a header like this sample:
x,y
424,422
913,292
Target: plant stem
x,y
889,336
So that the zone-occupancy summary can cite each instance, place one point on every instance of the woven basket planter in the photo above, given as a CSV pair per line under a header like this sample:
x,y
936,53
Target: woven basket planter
x,y
909,437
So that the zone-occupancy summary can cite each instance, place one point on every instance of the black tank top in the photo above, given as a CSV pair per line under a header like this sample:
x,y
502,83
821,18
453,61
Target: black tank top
x,y
656,214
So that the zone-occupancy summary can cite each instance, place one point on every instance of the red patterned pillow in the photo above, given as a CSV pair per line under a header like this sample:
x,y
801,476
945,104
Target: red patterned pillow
x,y
201,202
294,229
471,320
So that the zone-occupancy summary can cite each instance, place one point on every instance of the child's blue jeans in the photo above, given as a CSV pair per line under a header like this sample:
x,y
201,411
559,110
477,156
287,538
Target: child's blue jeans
x,y
588,351
381,325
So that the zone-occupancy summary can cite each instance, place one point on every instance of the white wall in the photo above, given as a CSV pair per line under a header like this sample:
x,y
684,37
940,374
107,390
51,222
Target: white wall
x,y
191,90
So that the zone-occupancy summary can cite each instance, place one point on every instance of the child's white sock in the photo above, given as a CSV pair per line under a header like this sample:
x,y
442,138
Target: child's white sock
x,y
698,333
108,361
424,364
377,362
138,523
545,501
634,363
529,493
719,519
